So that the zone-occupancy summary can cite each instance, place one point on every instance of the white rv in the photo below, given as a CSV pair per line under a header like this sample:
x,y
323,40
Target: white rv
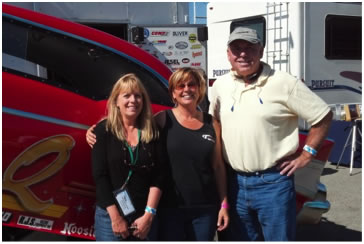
x,y
319,43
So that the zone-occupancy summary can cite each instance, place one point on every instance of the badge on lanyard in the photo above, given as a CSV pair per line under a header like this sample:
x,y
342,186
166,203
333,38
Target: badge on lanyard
x,y
125,204
122,196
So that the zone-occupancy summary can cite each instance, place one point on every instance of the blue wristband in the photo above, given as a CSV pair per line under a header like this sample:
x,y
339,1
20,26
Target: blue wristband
x,y
150,210
310,150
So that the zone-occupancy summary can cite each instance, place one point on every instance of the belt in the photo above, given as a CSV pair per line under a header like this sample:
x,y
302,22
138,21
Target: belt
x,y
256,173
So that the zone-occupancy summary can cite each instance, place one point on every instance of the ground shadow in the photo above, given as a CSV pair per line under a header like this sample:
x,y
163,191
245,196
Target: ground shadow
x,y
328,171
327,231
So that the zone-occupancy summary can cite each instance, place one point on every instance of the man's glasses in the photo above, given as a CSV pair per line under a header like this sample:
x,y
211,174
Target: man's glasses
x,y
191,85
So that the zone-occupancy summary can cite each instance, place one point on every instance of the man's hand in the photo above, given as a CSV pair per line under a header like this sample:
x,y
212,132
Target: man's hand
x,y
90,136
296,161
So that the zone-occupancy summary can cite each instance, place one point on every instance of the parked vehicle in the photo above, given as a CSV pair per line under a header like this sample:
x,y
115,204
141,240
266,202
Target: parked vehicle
x,y
319,43
56,78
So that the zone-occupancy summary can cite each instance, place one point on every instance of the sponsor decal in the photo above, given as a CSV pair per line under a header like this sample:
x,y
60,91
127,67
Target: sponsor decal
x,y
180,53
35,222
192,38
146,33
196,54
159,42
318,84
208,137
196,46
159,33
171,61
185,60
181,45
167,53
219,72
61,144
6,216
196,64
72,228
180,33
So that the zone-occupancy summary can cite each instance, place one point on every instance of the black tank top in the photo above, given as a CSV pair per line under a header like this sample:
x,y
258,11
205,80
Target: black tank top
x,y
191,180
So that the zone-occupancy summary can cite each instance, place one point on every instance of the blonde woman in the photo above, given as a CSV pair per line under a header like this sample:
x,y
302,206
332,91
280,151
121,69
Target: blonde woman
x,y
126,164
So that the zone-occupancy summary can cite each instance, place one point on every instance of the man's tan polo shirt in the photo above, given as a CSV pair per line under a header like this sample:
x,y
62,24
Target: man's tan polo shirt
x,y
263,125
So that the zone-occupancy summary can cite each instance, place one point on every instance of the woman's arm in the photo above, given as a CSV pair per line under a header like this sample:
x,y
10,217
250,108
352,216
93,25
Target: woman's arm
x,y
101,176
144,223
220,177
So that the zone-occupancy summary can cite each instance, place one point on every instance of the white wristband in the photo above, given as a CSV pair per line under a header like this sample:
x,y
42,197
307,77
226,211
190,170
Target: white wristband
x,y
310,150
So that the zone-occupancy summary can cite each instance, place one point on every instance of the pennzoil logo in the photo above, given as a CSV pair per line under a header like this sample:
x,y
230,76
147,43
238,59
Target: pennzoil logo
x,y
61,144
192,38
35,222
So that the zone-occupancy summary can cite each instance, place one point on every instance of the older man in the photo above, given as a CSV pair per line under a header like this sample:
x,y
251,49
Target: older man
x,y
258,108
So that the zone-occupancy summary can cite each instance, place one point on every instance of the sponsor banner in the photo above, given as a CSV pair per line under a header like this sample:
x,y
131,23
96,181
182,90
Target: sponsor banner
x,y
175,46
37,223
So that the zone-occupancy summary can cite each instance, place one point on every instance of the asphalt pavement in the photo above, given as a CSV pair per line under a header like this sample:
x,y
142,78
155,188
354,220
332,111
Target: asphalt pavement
x,y
343,222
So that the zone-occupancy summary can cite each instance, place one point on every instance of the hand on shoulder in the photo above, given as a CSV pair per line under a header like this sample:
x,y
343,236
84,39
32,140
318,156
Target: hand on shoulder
x,y
160,118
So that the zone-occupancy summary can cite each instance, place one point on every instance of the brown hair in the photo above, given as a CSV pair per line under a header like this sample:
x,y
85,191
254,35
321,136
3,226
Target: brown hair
x,y
184,74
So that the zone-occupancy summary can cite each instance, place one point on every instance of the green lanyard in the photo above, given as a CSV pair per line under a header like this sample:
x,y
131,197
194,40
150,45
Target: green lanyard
x,y
133,160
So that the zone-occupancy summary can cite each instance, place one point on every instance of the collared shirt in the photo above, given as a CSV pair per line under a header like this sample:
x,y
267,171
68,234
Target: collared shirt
x,y
259,121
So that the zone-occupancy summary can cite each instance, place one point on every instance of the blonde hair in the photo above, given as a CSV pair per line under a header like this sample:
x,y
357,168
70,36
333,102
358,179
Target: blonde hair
x,y
185,74
114,123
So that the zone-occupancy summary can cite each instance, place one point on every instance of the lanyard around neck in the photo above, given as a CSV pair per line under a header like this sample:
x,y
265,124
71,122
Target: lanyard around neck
x,y
132,159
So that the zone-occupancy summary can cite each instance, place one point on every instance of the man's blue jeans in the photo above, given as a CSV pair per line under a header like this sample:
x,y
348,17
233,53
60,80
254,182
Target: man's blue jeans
x,y
187,224
263,205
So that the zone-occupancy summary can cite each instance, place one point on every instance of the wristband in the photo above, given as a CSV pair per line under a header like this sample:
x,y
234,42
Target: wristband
x,y
225,205
150,210
310,150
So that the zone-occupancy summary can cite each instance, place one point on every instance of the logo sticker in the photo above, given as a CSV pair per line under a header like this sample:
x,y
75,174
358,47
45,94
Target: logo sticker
x,y
196,46
196,64
72,228
192,38
6,216
35,222
181,45
159,33
185,60
179,33
171,61
208,137
196,54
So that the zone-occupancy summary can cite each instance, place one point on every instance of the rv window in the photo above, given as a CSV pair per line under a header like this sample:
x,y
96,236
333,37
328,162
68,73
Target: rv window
x,y
342,37
71,64
257,23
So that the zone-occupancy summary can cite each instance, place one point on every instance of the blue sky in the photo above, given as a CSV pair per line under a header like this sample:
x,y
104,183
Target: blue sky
x,y
200,12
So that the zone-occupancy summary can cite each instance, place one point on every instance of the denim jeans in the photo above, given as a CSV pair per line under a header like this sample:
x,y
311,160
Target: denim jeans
x,y
262,206
103,228
187,224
